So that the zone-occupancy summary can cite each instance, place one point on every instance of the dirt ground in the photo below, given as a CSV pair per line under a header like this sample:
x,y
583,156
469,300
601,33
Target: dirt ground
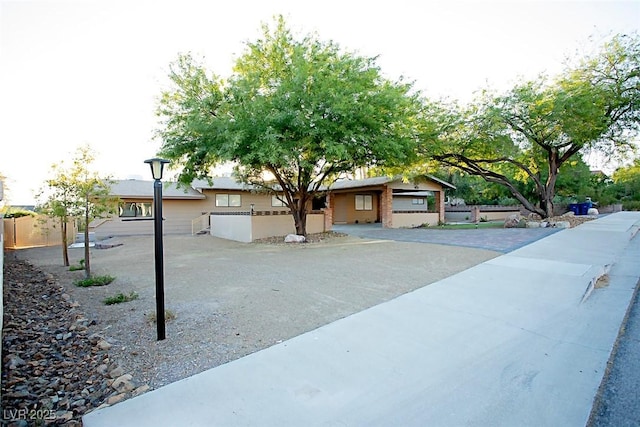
x,y
231,299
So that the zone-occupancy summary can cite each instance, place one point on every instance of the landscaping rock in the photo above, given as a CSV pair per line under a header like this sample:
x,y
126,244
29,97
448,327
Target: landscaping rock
x,y
123,383
562,224
533,224
512,221
294,238
51,363
103,345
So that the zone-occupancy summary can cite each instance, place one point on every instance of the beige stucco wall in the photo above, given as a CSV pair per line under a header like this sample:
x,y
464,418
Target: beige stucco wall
x,y
261,202
281,225
495,216
177,215
245,228
409,220
345,209
232,227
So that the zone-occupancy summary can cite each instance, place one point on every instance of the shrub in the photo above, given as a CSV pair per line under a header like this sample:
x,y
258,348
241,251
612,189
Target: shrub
x,y
631,205
168,315
94,281
120,298
77,267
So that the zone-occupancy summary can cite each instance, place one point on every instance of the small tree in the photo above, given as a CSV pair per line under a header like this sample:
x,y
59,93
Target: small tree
x,y
77,192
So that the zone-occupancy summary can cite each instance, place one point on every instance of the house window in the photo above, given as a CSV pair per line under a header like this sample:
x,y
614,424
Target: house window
x,y
318,203
364,202
417,201
135,209
276,202
228,200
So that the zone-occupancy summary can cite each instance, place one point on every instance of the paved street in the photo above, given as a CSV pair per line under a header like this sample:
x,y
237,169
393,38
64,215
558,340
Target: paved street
x,y
619,401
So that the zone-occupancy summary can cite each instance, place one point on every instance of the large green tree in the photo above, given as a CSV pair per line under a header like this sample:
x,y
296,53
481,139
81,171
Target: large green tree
x,y
294,114
626,181
532,131
76,192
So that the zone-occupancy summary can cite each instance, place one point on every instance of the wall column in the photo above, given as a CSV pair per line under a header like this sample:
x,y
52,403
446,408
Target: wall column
x,y
328,211
386,207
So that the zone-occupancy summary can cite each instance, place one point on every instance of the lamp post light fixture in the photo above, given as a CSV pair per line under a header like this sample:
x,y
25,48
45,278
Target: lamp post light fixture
x,y
157,165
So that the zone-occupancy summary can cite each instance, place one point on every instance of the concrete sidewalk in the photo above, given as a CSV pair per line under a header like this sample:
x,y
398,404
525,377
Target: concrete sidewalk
x,y
522,339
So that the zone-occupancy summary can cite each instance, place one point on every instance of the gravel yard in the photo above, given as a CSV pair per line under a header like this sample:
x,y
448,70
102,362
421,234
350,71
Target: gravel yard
x,y
231,299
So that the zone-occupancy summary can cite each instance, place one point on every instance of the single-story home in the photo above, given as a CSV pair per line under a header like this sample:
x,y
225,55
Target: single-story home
x,y
391,201
233,210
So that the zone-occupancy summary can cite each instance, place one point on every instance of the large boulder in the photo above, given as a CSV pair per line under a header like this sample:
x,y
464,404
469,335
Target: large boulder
x,y
562,224
294,238
512,221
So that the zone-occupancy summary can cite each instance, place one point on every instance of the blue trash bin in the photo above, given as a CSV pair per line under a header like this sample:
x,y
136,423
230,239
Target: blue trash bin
x,y
584,208
573,207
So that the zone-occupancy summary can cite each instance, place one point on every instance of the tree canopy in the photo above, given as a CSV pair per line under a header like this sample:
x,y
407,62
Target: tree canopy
x,y
294,114
529,133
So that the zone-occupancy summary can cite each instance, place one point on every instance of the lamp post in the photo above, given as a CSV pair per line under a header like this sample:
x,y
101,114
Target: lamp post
x,y
156,171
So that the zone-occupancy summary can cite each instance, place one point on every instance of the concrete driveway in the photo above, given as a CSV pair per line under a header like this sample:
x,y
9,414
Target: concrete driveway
x,y
494,239
231,299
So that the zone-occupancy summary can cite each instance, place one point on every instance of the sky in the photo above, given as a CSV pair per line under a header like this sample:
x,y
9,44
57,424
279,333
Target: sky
x,y
91,72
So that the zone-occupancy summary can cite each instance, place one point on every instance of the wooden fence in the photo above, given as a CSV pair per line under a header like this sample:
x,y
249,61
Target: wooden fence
x,y
28,231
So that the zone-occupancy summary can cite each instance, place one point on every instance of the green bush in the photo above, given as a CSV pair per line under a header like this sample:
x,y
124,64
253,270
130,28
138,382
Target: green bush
x,y
95,281
120,298
10,212
631,205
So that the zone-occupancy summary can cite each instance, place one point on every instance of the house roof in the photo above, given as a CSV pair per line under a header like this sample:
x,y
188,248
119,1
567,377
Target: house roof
x,y
221,183
134,188
139,189
378,180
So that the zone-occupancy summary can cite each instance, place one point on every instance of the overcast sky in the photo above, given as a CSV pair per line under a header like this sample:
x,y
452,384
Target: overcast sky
x,y
77,72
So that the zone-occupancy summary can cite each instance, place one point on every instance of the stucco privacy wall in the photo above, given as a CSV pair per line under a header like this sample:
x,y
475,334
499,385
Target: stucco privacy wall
x,y
247,228
232,227
411,220
263,226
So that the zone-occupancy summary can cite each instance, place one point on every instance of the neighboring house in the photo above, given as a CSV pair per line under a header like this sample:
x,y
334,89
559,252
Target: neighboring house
x,y
229,209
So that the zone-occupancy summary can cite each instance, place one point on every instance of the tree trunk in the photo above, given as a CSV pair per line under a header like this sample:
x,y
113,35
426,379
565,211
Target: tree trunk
x,y
300,219
65,249
546,202
548,192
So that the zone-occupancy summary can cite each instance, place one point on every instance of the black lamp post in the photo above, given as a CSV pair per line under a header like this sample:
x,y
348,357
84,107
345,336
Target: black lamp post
x,y
156,171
